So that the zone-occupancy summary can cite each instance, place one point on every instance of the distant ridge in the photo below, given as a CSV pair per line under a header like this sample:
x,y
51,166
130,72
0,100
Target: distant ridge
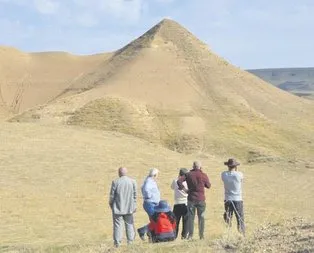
x,y
299,81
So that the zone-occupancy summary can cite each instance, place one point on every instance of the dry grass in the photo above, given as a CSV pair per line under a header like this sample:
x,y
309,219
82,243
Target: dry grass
x,y
55,183
292,236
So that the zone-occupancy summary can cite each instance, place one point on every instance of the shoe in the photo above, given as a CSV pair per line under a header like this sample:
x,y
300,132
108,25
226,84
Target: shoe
x,y
190,238
142,236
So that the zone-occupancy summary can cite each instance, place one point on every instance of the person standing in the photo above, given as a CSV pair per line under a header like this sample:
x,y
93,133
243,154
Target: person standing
x,y
196,181
151,196
180,204
123,197
233,202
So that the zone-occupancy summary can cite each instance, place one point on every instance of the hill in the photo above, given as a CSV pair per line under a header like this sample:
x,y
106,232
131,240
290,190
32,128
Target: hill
x,y
30,79
299,81
169,88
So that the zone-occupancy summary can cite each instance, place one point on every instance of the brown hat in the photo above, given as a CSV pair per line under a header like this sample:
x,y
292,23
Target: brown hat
x,y
231,163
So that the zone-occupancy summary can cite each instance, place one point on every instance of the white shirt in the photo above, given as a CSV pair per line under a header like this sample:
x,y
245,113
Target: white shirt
x,y
180,196
233,185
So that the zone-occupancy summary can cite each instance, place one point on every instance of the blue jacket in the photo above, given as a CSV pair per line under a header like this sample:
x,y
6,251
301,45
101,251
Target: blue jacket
x,y
150,190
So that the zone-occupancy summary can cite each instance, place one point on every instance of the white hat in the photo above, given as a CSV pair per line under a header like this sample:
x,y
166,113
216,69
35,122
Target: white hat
x,y
153,172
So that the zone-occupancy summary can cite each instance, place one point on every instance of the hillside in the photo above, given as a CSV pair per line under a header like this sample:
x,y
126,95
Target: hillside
x,y
55,181
30,79
299,81
169,88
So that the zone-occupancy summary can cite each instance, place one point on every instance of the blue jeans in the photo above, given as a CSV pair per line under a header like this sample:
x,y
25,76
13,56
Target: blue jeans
x,y
149,208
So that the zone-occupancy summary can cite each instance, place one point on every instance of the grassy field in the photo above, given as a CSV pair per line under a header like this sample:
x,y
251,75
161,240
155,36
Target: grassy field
x,y
164,100
54,185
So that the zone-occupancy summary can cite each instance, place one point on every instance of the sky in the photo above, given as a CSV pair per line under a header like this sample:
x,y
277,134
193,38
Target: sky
x,y
247,33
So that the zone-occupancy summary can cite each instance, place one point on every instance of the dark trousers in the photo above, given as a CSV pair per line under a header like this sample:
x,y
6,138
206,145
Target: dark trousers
x,y
200,207
180,211
235,207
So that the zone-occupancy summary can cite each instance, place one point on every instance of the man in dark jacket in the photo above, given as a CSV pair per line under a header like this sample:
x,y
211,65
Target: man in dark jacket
x,y
197,181
162,226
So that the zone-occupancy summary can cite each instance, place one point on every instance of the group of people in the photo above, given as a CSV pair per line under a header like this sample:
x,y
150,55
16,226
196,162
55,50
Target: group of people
x,y
189,197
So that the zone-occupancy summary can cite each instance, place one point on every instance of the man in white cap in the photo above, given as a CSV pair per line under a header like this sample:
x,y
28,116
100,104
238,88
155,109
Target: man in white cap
x,y
233,194
123,196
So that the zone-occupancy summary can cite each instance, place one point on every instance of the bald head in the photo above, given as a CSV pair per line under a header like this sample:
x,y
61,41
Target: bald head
x,y
197,165
122,171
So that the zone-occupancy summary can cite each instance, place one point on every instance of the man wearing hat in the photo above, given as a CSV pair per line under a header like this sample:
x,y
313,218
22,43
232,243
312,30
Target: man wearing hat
x,y
180,204
232,180
162,226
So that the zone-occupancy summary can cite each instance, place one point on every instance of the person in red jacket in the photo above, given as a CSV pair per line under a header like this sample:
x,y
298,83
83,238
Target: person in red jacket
x,y
162,226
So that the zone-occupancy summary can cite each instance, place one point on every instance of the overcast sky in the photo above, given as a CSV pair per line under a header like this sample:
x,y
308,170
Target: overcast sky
x,y
248,33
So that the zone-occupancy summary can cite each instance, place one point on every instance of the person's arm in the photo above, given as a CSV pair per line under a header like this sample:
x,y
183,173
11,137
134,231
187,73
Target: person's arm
x,y
173,185
134,194
147,190
112,194
180,182
207,184
174,225
173,220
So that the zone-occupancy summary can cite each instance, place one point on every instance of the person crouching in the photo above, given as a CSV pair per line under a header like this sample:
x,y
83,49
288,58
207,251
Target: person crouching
x,y
162,226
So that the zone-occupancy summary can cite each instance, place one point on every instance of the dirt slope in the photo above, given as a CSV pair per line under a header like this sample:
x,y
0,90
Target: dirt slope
x,y
30,79
166,86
